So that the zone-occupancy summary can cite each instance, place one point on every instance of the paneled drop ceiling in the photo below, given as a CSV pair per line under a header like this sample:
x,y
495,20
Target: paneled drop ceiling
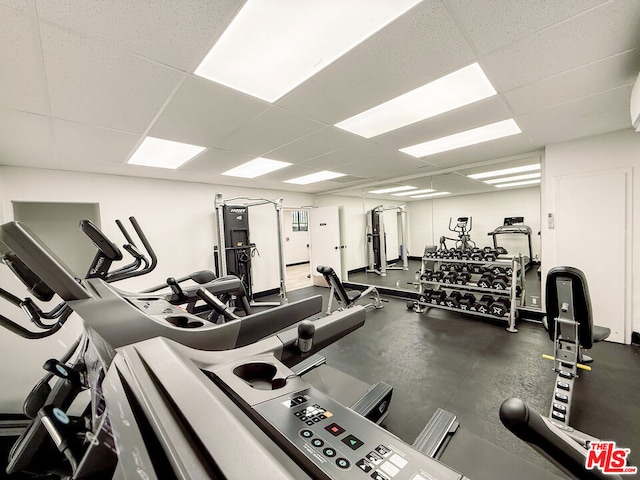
x,y
83,82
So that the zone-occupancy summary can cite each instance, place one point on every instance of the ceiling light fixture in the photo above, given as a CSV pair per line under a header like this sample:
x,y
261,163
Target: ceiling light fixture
x,y
460,88
271,47
160,153
483,134
416,192
393,189
255,168
506,171
315,177
527,176
429,195
517,184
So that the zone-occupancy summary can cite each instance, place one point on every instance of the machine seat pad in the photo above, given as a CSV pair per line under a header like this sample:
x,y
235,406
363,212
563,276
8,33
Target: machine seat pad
x,y
353,295
600,333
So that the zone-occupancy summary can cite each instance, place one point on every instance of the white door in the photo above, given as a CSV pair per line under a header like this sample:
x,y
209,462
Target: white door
x,y
591,234
324,240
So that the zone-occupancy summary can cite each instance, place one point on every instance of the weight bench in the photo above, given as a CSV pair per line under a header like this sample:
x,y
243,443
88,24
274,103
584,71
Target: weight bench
x,y
346,298
572,330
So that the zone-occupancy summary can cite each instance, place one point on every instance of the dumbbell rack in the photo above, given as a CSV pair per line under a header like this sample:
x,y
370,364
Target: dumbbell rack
x,y
511,292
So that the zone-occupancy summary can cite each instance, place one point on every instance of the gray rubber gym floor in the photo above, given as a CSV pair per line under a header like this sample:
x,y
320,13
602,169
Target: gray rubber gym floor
x,y
468,366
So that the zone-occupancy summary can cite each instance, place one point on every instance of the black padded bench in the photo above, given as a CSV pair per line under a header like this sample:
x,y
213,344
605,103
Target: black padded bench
x,y
346,298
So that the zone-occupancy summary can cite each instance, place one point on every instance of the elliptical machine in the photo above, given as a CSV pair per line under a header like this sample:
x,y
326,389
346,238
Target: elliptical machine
x,y
462,228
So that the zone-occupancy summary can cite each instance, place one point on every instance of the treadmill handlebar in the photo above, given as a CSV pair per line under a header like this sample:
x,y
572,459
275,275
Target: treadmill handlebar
x,y
541,434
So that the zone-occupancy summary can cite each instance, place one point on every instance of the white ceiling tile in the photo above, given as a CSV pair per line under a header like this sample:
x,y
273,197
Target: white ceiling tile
x,y
25,140
270,130
91,83
578,41
497,23
191,26
420,46
318,143
17,4
215,161
81,143
484,112
383,164
607,74
605,112
203,113
21,80
359,151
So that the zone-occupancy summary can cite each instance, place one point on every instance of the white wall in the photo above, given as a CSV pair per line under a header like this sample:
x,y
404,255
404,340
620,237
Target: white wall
x,y
429,219
603,153
296,248
178,219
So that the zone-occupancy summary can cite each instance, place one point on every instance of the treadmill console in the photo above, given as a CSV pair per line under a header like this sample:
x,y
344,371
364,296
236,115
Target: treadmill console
x,y
341,443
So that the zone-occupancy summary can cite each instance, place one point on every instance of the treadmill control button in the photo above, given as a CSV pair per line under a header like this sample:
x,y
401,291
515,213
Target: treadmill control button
x,y
316,419
389,468
299,399
558,416
379,476
363,465
559,408
297,414
309,422
564,374
316,442
352,442
329,452
303,417
374,458
561,397
306,433
334,429
382,450
343,463
563,386
322,416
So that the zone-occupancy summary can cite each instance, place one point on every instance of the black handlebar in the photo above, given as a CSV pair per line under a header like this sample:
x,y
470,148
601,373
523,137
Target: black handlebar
x,y
548,439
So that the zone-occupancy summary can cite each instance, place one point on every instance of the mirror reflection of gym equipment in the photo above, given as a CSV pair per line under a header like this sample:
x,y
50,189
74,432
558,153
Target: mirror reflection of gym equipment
x,y
377,240
233,239
462,228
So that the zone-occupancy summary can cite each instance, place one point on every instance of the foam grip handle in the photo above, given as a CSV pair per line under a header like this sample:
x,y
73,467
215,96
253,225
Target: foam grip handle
x,y
306,330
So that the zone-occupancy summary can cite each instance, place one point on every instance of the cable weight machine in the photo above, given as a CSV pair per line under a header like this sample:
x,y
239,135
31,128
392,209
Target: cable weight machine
x,y
377,240
233,239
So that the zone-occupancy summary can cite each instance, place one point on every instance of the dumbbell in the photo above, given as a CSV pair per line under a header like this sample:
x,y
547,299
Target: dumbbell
x,y
500,282
465,254
476,255
450,278
483,305
444,267
465,267
486,280
500,307
490,256
426,275
502,251
477,268
437,276
497,269
437,297
467,301
463,278
453,299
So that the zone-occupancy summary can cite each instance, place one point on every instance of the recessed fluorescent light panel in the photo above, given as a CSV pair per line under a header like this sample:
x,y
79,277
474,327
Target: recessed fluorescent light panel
x,y
506,171
516,178
460,88
156,152
393,189
255,168
517,184
271,47
315,177
464,139
429,195
414,192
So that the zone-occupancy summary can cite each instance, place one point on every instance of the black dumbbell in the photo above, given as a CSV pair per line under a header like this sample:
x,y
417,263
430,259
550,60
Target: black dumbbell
x,y
465,267
477,256
467,301
463,278
502,251
483,305
437,276
477,268
444,267
500,282
497,269
500,307
437,297
486,280
450,278
490,256
426,275
453,299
